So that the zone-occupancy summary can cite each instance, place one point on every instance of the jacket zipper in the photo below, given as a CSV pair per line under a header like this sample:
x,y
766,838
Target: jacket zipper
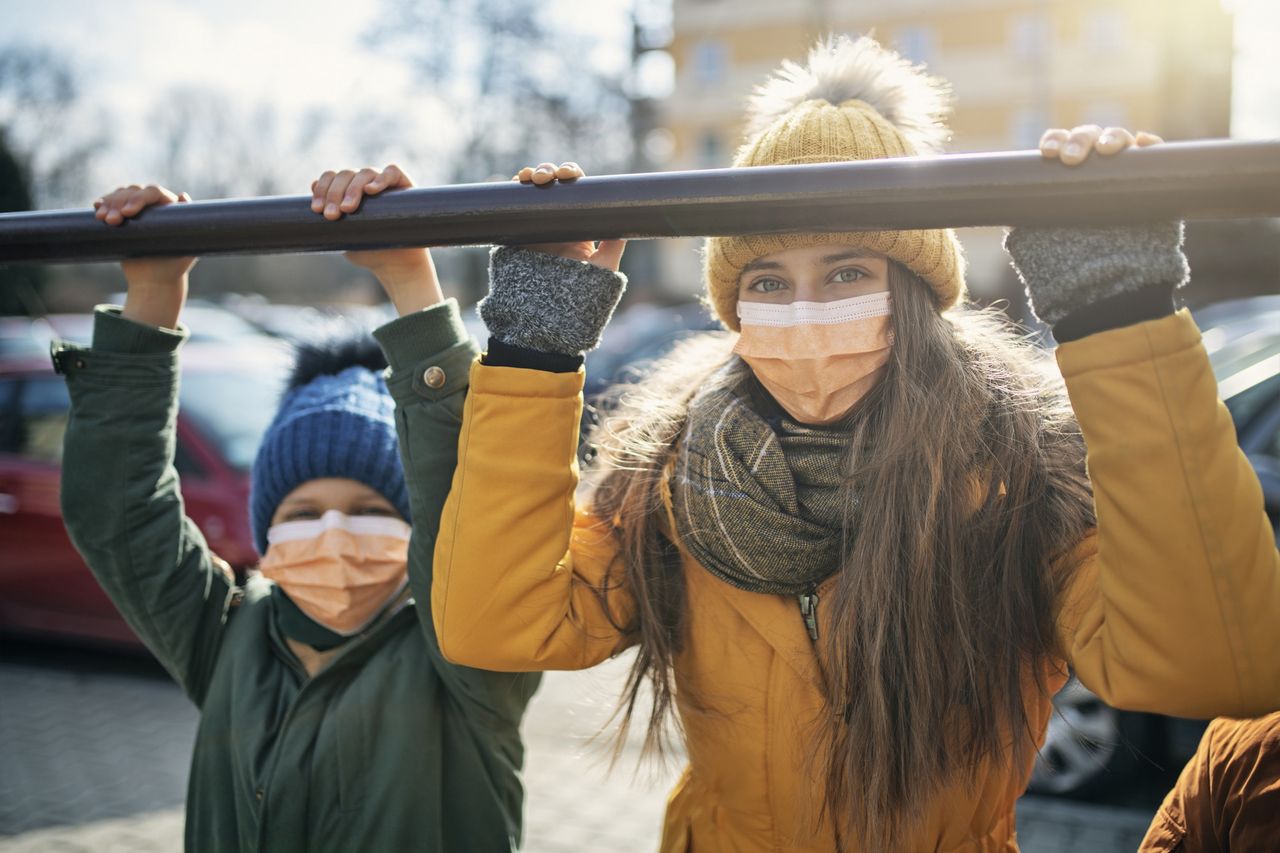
x,y
809,611
309,681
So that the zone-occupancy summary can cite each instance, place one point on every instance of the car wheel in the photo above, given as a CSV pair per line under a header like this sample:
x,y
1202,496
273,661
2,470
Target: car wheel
x,y
1089,747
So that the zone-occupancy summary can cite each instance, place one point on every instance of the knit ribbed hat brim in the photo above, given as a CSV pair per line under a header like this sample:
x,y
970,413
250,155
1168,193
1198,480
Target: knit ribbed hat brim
x,y
853,100
334,425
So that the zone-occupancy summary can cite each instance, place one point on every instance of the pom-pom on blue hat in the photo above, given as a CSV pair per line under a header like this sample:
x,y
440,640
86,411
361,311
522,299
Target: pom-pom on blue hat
x,y
336,419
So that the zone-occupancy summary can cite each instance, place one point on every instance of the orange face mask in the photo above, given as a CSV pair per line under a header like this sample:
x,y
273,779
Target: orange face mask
x,y
340,570
817,359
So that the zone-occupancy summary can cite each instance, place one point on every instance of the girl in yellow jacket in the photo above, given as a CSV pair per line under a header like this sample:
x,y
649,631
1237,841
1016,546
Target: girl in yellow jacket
x,y
854,541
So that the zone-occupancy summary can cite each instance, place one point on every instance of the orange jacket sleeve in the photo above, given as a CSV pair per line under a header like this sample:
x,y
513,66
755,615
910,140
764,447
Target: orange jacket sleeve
x,y
1175,604
1227,799
520,572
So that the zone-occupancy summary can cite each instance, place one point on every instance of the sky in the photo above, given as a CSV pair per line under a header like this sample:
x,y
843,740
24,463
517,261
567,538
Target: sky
x,y
130,51
293,56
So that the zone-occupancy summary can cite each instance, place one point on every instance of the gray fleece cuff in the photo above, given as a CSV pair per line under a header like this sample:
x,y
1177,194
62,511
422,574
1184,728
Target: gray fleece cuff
x,y
1066,269
548,303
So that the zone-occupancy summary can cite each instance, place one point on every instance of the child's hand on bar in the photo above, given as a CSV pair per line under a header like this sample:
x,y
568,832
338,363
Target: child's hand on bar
x,y
157,287
407,275
1072,147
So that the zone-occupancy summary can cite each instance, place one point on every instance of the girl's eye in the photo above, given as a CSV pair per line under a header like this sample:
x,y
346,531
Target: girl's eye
x,y
375,510
301,515
849,274
767,285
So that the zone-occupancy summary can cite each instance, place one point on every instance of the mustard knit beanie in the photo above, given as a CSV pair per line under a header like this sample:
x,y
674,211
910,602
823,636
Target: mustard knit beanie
x,y
854,100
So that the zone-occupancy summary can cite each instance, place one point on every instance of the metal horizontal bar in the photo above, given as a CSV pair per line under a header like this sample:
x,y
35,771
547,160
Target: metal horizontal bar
x,y
1190,180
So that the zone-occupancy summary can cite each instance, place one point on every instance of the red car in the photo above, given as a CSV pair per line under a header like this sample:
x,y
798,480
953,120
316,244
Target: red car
x,y
229,393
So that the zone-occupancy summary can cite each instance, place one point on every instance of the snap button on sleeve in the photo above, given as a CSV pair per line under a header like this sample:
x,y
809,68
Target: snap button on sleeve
x,y
433,377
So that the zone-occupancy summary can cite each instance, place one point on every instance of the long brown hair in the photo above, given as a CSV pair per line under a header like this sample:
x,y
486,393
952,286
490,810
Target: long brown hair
x,y
965,480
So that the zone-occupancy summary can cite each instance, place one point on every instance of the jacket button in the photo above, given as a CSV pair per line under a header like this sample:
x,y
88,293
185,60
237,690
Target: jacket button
x,y
259,794
433,377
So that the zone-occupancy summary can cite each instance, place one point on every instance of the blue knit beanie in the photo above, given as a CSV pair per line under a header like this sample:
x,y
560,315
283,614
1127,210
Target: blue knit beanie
x,y
336,419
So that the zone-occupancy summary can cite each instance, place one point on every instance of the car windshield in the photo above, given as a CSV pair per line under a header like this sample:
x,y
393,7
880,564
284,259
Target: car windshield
x,y
1242,338
232,409
1249,402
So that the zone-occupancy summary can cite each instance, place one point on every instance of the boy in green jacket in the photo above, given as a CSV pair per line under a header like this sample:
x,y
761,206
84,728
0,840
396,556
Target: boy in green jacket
x,y
329,719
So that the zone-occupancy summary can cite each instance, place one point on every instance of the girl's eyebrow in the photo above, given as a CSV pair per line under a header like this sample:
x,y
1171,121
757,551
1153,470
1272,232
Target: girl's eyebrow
x,y
761,264
851,254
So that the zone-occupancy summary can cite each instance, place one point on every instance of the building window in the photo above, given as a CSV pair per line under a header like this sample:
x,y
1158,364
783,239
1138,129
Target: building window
x,y
1030,35
710,62
917,43
659,146
1106,114
710,150
1028,125
1104,31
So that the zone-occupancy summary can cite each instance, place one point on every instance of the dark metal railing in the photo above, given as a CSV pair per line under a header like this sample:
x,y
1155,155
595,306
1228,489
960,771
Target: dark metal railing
x,y
1190,180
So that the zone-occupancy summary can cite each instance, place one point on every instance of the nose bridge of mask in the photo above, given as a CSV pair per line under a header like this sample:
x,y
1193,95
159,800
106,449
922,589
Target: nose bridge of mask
x,y
863,307
335,520
336,550
814,330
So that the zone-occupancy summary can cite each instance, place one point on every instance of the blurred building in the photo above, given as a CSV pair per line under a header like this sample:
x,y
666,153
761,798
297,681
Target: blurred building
x,y
1017,67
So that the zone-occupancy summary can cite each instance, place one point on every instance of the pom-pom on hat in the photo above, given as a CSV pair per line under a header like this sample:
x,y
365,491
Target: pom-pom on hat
x,y
336,419
853,100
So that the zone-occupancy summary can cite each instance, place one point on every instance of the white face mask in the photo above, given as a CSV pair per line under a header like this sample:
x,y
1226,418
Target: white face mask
x,y
340,570
817,359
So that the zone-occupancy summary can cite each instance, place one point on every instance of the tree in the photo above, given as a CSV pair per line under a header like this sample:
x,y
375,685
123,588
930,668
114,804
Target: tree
x,y
20,284
207,144
15,185
46,155
518,86
39,105
210,145
515,83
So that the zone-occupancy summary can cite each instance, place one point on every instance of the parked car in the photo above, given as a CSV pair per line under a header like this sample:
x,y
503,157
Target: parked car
x,y
1091,749
305,322
207,321
228,395
24,337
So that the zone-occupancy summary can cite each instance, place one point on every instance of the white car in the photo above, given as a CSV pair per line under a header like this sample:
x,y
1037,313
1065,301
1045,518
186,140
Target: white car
x,y
1091,749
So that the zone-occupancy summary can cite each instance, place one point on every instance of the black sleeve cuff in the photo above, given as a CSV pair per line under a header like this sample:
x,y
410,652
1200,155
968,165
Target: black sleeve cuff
x,y
1114,312
502,354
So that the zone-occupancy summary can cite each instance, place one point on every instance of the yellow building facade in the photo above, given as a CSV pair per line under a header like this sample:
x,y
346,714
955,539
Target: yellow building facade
x,y
1016,67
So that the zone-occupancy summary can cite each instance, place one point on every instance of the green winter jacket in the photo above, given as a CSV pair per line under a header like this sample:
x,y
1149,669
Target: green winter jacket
x,y
389,747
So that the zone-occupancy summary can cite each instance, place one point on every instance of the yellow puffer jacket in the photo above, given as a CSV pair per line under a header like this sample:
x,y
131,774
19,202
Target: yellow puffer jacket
x,y
1174,606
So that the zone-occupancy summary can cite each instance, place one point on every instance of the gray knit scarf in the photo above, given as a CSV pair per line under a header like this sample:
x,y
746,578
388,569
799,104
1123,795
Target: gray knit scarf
x,y
756,494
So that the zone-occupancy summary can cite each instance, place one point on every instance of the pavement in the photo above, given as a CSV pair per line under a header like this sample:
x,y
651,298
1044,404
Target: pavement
x,y
94,750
